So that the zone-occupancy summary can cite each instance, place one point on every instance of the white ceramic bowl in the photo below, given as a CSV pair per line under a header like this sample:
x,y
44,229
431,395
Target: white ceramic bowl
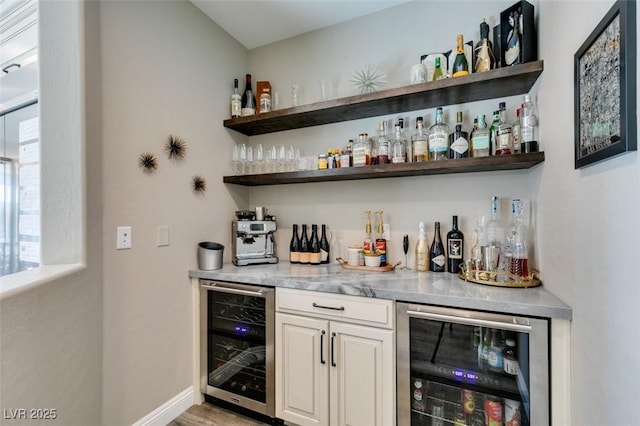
x,y
372,260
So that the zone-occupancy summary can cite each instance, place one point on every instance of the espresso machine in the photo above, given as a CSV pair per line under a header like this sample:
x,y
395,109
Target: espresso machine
x,y
252,237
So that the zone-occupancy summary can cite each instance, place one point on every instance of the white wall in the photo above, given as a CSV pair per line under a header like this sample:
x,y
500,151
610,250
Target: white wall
x,y
166,69
585,234
51,335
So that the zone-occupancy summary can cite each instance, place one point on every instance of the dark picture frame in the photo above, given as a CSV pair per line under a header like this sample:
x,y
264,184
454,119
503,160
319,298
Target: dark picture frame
x,y
605,88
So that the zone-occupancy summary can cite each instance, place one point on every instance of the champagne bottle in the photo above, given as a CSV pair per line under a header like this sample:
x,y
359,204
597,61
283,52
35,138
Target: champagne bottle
x,y
315,257
422,256
248,98
437,251
460,64
485,60
455,247
236,100
459,140
294,246
324,246
437,72
304,247
512,55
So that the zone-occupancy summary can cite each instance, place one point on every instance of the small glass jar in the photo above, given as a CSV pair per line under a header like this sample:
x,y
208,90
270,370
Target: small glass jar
x,y
322,162
265,102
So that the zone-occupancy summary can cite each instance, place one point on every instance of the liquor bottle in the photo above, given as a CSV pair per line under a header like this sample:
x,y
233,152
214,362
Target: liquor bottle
x,y
398,152
494,354
503,133
455,247
408,147
460,64
438,138
485,60
315,256
483,348
437,72
437,252
480,146
516,131
324,246
512,55
495,229
383,144
236,100
359,152
248,98
529,129
459,140
518,245
367,246
294,246
422,255
305,247
493,132
381,243
420,143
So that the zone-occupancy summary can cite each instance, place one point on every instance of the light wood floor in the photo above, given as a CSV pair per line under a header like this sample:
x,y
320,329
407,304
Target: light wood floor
x,y
210,415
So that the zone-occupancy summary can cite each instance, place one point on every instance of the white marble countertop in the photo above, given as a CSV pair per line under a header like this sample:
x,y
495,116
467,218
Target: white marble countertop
x,y
443,289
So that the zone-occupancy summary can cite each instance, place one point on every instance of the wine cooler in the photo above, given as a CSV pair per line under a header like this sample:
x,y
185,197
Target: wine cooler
x,y
237,345
460,367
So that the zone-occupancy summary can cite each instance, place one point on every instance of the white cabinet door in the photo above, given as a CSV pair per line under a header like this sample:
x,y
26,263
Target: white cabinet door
x,y
362,375
302,382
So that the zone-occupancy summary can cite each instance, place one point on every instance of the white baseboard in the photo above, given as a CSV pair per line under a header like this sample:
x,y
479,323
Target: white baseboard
x,y
169,410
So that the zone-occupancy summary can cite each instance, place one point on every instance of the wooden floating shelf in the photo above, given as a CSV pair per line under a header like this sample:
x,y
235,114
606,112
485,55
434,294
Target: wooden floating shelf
x,y
463,165
501,82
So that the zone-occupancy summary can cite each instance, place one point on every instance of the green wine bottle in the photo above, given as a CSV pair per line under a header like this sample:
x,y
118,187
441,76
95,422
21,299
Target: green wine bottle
x,y
460,65
437,73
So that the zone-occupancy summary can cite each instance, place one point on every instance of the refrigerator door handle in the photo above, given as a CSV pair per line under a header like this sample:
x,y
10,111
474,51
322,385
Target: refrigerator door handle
x,y
522,328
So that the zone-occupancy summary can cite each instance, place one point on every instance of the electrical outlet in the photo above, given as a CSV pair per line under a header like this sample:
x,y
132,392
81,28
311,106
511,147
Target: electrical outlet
x,y
123,238
386,231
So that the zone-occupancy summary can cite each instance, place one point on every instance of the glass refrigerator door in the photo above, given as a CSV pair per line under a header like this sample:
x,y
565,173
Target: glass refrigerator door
x,y
464,374
236,338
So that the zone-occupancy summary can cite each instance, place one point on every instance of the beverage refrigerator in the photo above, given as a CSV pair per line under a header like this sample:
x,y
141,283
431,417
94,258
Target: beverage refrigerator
x,y
463,367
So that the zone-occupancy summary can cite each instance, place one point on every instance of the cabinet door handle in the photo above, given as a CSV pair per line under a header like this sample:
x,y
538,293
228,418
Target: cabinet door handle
x,y
333,336
322,361
333,308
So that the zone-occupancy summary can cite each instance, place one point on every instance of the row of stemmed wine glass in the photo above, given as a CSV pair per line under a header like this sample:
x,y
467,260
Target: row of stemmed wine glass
x,y
248,160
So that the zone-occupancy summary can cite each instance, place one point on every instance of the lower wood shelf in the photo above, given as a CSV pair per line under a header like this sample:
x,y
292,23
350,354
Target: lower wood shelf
x,y
463,165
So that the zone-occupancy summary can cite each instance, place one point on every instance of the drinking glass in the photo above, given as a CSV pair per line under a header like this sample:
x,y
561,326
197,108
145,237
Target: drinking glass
x,y
291,158
249,167
258,158
235,160
282,158
405,249
273,160
242,158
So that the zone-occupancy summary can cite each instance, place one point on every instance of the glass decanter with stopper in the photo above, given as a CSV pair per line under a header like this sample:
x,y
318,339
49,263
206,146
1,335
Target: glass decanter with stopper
x,y
518,244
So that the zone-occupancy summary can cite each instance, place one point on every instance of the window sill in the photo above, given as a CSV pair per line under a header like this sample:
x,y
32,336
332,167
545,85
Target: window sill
x,y
11,285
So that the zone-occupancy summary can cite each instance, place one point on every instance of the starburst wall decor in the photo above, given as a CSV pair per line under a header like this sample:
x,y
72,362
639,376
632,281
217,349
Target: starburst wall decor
x,y
148,162
368,80
175,147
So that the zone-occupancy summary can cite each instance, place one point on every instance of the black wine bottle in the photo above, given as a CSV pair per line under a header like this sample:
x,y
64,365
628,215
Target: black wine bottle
x,y
314,256
437,256
294,246
324,246
455,247
248,98
305,247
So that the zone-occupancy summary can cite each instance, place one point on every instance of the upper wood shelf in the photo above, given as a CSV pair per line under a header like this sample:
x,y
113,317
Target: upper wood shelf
x,y
462,165
501,82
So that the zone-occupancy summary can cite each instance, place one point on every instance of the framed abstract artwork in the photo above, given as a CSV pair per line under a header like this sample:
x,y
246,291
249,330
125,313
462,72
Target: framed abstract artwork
x,y
605,88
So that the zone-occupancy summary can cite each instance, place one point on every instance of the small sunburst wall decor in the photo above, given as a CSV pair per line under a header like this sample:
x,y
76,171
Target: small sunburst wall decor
x,y
175,147
148,162
198,184
368,80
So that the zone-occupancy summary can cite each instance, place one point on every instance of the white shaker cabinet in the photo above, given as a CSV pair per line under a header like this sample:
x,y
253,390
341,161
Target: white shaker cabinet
x,y
330,370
